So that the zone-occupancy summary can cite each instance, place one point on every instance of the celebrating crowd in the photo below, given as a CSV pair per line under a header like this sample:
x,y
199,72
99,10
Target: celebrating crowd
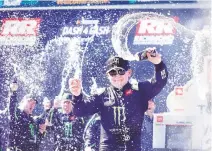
x,y
110,120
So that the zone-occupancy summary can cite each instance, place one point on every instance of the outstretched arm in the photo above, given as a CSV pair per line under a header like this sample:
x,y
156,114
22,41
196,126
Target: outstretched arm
x,y
13,101
83,106
156,84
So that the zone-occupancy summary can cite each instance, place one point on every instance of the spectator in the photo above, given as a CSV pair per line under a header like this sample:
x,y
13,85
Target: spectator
x,y
91,134
147,128
47,143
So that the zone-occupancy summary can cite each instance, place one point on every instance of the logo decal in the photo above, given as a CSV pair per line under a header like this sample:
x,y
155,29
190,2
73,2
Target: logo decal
x,y
128,92
86,28
154,31
119,114
21,31
68,129
32,130
179,91
116,60
160,119
72,118
163,74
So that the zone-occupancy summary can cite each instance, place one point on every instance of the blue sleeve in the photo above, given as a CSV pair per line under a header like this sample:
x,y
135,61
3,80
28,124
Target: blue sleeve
x,y
155,85
86,106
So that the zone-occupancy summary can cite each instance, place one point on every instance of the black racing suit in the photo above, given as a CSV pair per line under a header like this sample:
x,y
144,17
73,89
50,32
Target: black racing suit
x,y
91,134
24,133
68,131
47,143
122,111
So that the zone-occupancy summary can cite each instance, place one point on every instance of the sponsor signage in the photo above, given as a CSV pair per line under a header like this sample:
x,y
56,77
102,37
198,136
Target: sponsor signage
x,y
12,2
179,91
68,24
86,27
173,119
21,31
160,119
64,2
157,1
53,3
30,2
154,31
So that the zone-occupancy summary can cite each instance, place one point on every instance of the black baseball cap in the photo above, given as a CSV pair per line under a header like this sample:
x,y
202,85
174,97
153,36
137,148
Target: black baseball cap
x,y
66,97
117,62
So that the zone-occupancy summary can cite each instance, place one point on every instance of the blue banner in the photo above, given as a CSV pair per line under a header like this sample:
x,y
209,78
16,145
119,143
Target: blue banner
x,y
43,48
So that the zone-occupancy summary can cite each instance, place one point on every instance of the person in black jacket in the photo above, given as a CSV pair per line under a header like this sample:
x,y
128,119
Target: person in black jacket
x,y
122,105
68,129
91,134
47,143
147,128
24,133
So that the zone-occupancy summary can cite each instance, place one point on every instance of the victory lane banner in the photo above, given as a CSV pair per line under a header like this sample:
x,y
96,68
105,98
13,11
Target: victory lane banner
x,y
42,49
51,36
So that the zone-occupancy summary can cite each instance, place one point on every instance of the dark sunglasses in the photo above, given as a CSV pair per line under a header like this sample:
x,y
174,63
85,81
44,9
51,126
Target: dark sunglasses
x,y
114,72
